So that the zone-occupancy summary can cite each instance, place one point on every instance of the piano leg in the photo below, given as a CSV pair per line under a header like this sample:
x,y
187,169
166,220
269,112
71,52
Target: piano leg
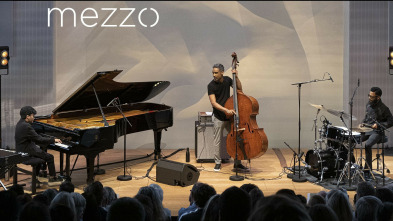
x,y
68,165
90,168
61,163
157,144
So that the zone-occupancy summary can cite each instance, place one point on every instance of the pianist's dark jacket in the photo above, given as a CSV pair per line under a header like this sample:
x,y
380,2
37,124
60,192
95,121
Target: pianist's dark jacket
x,y
26,137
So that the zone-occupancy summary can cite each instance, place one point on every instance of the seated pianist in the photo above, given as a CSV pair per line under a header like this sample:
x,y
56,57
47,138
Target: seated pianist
x,y
26,138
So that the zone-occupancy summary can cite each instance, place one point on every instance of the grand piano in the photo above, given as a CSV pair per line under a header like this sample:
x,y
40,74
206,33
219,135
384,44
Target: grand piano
x,y
88,125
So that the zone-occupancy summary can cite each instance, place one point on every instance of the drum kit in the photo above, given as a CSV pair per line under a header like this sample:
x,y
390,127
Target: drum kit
x,y
329,156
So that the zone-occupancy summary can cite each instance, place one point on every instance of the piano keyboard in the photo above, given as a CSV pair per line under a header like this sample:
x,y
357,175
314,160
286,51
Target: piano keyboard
x,y
63,146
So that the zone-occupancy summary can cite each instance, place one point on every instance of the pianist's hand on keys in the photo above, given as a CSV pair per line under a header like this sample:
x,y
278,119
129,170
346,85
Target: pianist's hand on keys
x,y
63,146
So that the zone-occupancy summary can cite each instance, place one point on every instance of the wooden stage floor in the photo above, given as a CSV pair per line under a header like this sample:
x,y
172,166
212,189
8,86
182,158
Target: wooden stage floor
x,y
266,172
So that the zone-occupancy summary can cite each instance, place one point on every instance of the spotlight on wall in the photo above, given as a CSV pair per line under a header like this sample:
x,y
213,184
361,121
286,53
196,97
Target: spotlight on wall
x,y
4,57
390,58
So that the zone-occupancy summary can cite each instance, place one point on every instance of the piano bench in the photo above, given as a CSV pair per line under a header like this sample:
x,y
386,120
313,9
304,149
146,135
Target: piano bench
x,y
33,162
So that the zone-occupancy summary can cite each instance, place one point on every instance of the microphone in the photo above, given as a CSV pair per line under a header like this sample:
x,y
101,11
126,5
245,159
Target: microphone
x,y
330,77
112,101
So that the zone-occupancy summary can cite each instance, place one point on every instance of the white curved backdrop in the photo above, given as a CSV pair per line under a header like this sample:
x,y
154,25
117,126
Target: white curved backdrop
x,y
278,43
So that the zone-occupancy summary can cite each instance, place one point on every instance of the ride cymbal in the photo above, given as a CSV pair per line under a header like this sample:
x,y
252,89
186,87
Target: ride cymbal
x,y
340,113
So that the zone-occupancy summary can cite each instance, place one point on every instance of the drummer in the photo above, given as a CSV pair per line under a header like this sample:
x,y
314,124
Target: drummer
x,y
377,114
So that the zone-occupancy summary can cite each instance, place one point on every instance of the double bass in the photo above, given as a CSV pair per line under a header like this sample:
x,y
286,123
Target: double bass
x,y
246,140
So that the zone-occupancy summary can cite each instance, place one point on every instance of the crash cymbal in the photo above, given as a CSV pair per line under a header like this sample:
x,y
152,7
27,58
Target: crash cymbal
x,y
340,113
362,129
317,106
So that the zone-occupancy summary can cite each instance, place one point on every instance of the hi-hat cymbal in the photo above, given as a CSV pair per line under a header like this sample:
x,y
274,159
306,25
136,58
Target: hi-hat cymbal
x,y
340,113
317,106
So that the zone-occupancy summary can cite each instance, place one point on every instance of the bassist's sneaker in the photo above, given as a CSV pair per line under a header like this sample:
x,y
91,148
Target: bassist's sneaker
x,y
217,167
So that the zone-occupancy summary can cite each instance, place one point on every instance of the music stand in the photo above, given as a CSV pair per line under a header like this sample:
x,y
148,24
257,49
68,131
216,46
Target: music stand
x,y
299,85
123,177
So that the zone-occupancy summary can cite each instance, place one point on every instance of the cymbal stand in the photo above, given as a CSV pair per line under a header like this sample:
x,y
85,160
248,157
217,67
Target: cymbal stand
x,y
315,128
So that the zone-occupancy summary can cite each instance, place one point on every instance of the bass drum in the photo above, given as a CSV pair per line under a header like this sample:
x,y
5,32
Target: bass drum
x,y
324,160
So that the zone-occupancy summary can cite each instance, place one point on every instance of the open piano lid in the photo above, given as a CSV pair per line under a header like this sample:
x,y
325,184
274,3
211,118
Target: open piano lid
x,y
107,89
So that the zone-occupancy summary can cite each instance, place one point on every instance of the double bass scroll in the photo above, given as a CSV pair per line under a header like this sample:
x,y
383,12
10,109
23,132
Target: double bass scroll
x,y
245,139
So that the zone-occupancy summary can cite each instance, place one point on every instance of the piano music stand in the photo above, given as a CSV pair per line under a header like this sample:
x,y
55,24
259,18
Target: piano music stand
x,y
123,177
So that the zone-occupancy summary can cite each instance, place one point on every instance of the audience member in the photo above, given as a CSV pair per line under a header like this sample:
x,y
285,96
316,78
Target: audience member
x,y
94,194
234,204
316,199
160,193
125,209
303,200
192,206
384,194
35,211
364,188
288,193
18,189
97,189
50,193
67,186
248,187
339,202
147,205
42,199
385,212
9,208
255,195
212,209
389,186
321,212
279,208
109,197
158,209
80,205
323,194
60,212
23,199
64,198
93,211
200,195
367,208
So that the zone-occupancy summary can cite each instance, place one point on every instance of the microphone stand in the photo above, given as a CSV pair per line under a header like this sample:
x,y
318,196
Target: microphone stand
x,y
299,178
350,139
298,157
123,177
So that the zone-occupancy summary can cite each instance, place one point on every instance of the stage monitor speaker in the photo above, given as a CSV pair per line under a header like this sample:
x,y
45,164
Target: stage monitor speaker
x,y
204,143
175,173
